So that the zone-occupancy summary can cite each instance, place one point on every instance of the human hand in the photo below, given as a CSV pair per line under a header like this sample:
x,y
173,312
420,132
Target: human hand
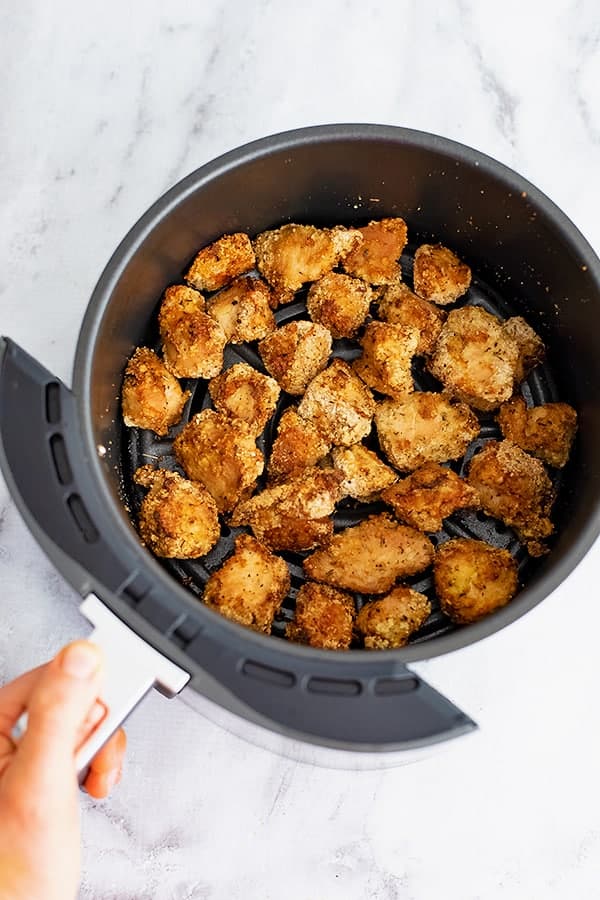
x,y
39,809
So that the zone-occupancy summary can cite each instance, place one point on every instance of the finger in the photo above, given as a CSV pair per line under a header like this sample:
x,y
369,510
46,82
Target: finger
x,y
107,767
14,697
95,715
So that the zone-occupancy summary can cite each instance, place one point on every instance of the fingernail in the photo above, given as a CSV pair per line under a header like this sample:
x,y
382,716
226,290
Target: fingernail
x,y
111,780
80,660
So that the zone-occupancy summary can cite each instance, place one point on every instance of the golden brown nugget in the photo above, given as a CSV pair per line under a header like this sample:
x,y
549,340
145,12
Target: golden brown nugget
x,y
400,306
546,431
515,488
293,515
475,359
250,586
365,475
178,518
530,345
472,579
387,354
220,452
439,275
429,496
389,622
298,445
220,262
295,353
371,556
193,343
290,256
151,397
424,427
339,303
339,404
324,617
246,394
375,260
243,310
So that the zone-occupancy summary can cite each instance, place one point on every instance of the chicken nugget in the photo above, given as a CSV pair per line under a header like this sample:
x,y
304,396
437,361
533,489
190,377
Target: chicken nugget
x,y
365,475
250,586
530,345
192,342
220,452
375,260
424,427
387,354
371,556
439,275
472,579
151,397
298,445
220,262
246,394
340,303
546,431
295,353
243,310
339,404
389,621
178,518
429,496
399,306
323,618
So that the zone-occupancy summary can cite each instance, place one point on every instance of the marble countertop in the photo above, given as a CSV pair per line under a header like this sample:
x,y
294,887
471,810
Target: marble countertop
x,y
104,107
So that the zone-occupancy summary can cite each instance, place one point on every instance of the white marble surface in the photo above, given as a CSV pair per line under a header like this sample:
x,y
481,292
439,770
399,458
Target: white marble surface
x,y
103,107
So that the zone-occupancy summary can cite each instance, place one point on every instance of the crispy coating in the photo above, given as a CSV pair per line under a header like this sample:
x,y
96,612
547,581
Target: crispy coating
x,y
439,275
475,359
546,431
388,622
530,345
514,487
424,427
370,556
220,262
298,445
375,260
365,475
399,306
324,618
220,452
295,353
293,515
290,256
246,394
250,586
387,353
178,518
243,310
339,404
151,397
430,495
192,342
340,303
472,579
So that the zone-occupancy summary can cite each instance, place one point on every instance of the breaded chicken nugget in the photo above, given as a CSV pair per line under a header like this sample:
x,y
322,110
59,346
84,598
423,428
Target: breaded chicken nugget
x,y
388,622
375,260
339,404
424,427
387,353
323,618
369,557
243,310
246,394
293,515
178,518
514,487
340,303
428,496
399,306
546,431
151,397
295,353
220,262
439,275
220,452
250,586
192,342
530,345
365,475
475,359
298,445
472,579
